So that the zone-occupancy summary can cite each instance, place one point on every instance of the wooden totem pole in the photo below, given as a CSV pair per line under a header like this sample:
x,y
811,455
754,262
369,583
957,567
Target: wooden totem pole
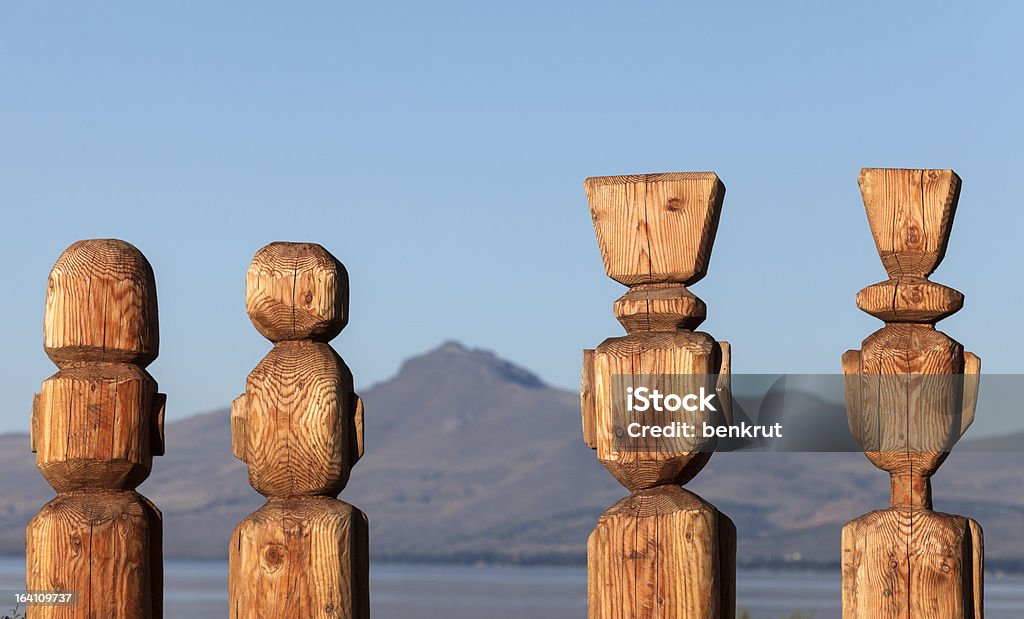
x,y
662,551
299,427
910,394
96,425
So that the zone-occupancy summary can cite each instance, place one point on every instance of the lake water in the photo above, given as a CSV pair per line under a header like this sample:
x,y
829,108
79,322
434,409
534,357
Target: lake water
x,y
198,590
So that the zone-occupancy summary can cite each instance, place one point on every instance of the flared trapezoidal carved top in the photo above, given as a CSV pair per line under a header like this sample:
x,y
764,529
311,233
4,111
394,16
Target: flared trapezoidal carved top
x,y
911,215
656,228
656,232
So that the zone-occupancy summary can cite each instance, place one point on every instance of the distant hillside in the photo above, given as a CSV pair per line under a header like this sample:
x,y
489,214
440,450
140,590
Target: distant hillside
x,y
469,457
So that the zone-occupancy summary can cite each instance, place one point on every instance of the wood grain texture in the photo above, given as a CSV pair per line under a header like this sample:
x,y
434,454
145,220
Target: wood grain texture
x,y
96,425
105,545
299,428
910,299
588,407
975,587
662,551
655,228
911,392
659,307
678,362
300,558
911,214
900,563
103,415
296,291
911,378
101,305
298,408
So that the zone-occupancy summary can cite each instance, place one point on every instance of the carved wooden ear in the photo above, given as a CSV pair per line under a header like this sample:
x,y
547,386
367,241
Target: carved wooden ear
x,y
724,385
851,390
238,436
357,428
33,428
157,444
972,379
588,407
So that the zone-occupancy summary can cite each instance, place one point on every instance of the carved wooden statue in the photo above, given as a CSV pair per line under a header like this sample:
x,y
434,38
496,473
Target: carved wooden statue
x,y
911,393
662,551
96,425
299,427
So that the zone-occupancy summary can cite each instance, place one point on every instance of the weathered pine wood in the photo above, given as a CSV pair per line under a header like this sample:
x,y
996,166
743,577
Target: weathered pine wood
x,y
297,291
101,305
96,425
299,428
910,394
662,551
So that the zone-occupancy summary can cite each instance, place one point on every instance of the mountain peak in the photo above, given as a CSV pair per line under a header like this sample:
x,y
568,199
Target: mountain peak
x,y
457,360
450,346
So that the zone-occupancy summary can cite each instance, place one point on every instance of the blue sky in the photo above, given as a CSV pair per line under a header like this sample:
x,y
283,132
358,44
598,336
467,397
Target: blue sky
x,y
439,150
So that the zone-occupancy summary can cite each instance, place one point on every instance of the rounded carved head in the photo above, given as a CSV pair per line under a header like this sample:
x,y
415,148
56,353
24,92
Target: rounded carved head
x,y
296,291
101,305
